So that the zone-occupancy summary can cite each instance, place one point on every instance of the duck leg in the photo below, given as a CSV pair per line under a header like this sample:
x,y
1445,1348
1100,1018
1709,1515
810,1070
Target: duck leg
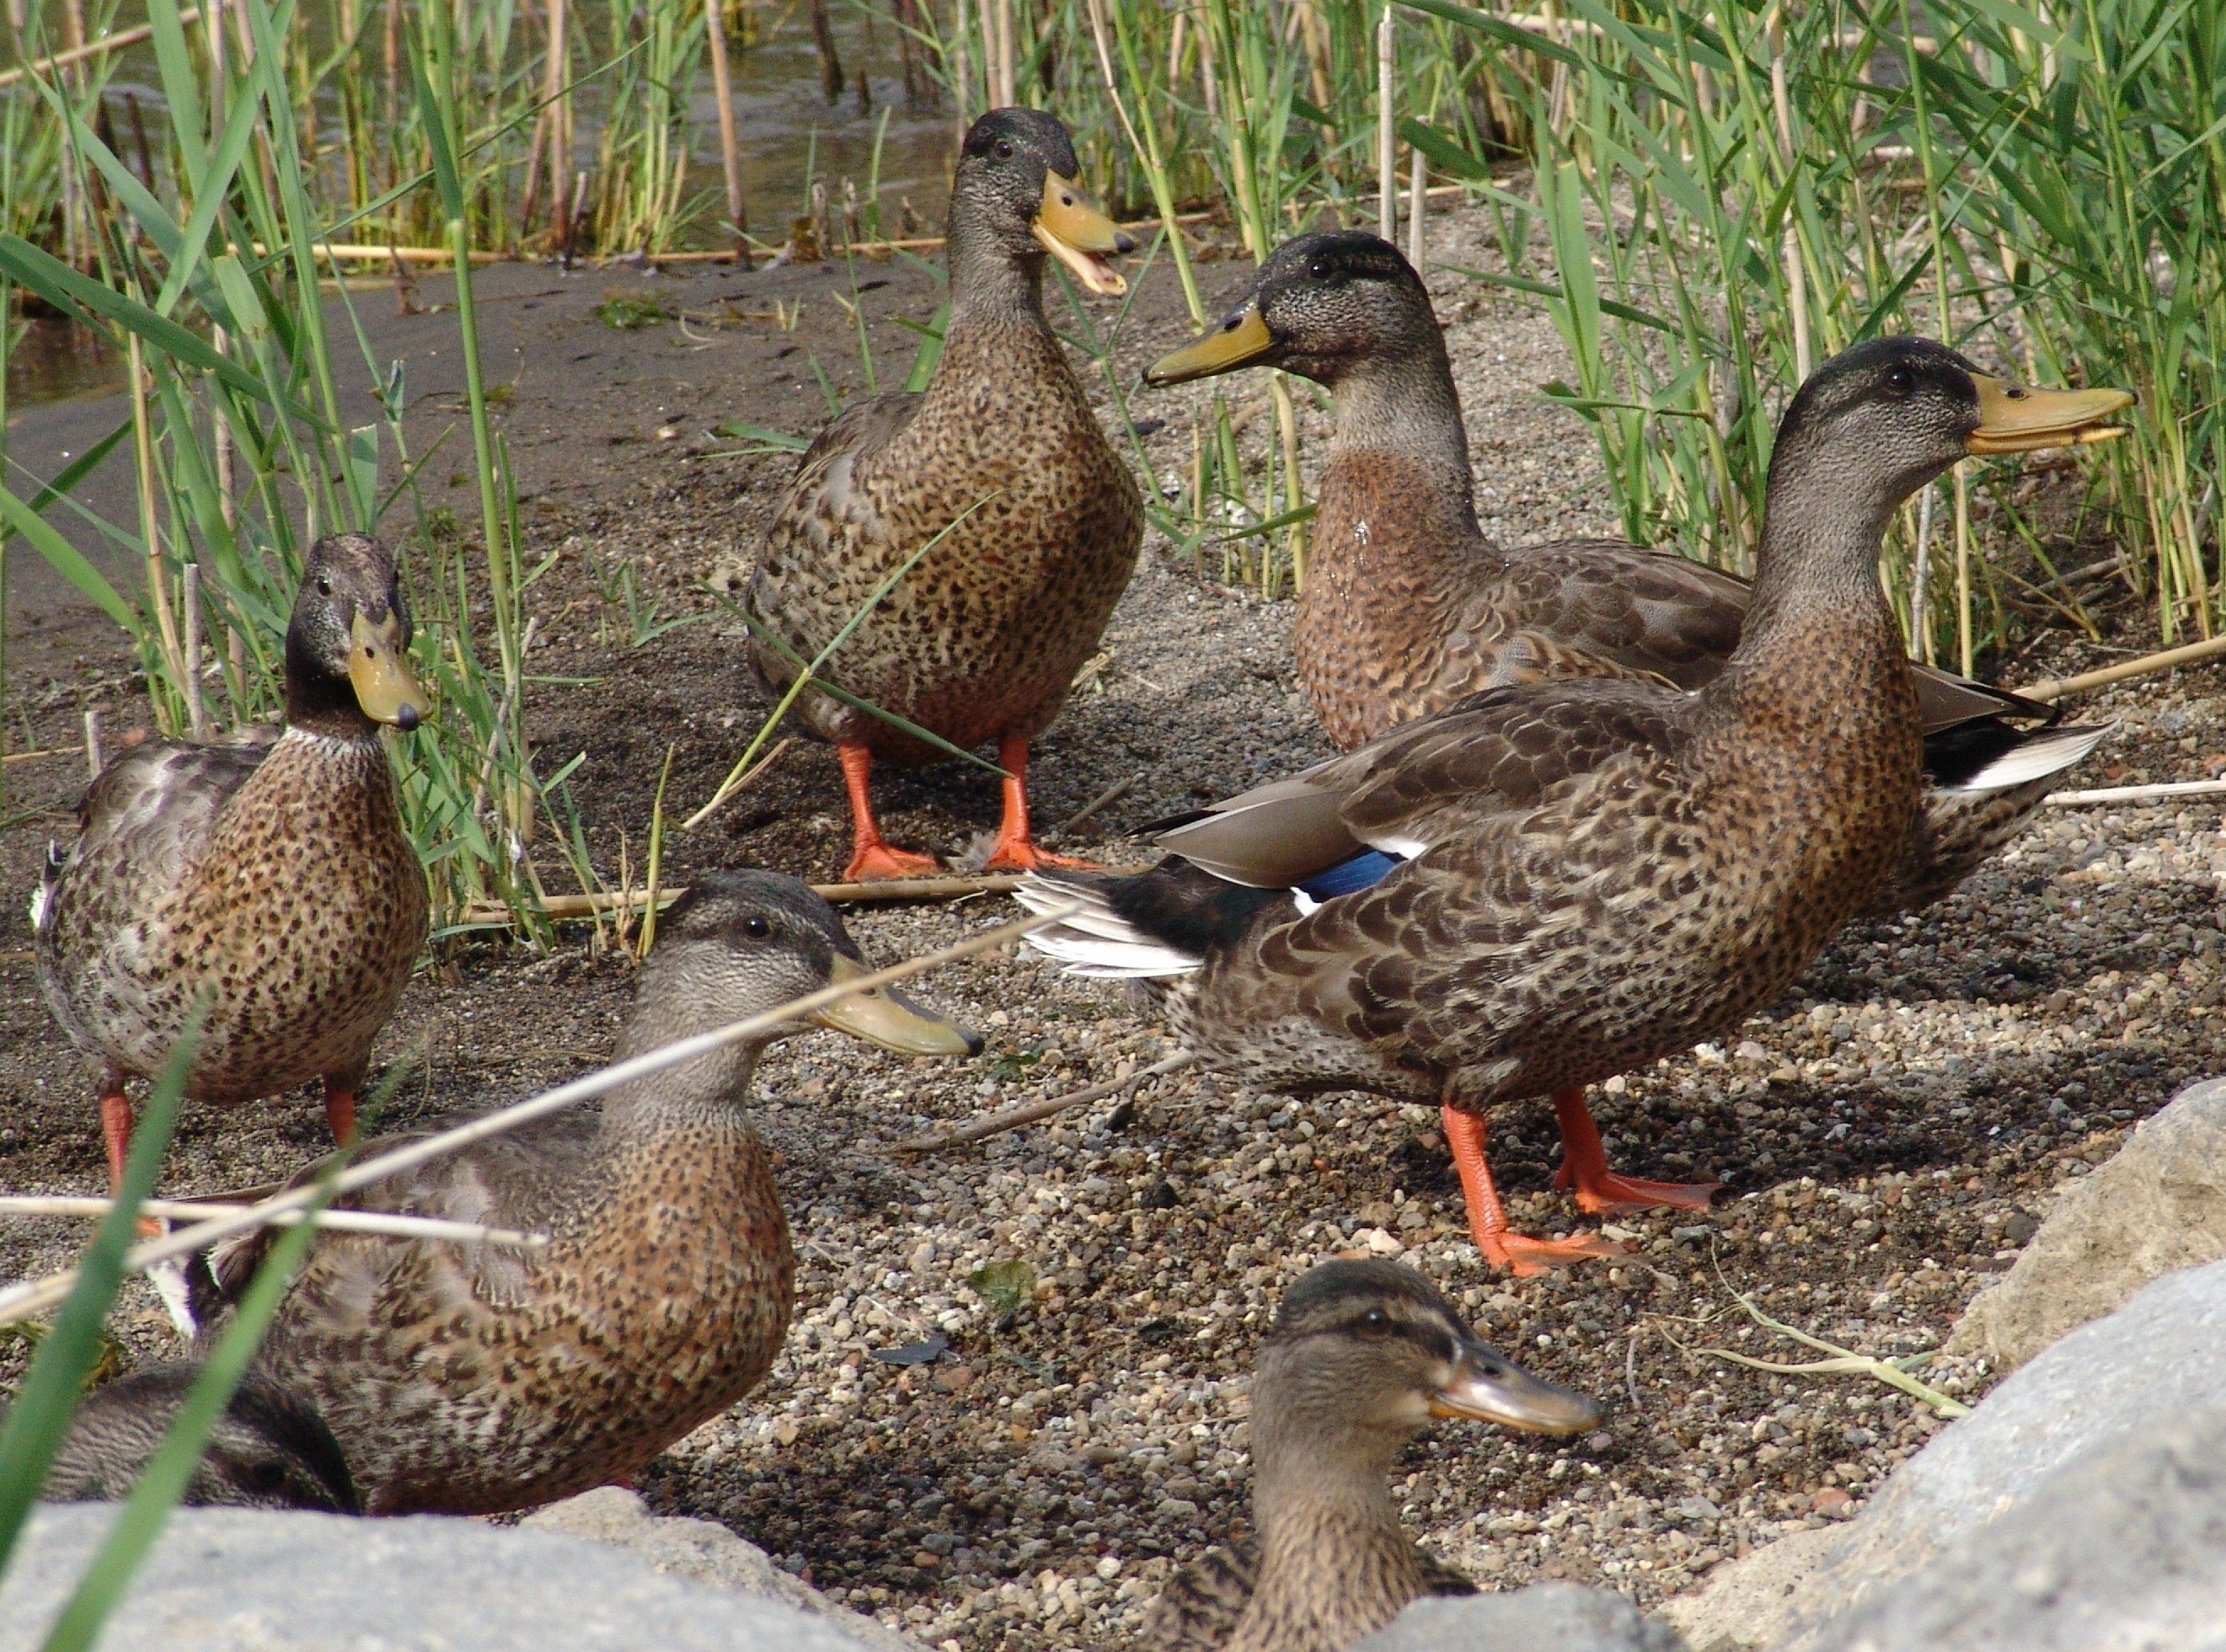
x,y
339,1109
1599,1190
872,859
115,1127
1015,849
1487,1217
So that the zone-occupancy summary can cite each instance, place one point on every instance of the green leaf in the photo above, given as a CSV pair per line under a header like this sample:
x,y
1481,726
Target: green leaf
x,y
1004,1286
70,475
1444,151
765,434
68,561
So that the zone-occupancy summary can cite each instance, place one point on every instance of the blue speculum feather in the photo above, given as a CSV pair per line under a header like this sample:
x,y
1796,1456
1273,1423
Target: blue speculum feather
x,y
1369,867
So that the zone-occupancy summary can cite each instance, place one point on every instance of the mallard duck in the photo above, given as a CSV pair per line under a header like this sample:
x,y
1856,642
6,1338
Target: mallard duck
x,y
267,1451
271,872
1408,606
1362,1356
471,1379
1001,455
1547,884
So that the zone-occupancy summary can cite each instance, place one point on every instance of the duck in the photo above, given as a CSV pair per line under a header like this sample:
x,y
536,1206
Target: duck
x,y
1547,884
270,874
473,1379
268,1450
1408,606
996,477
1363,1353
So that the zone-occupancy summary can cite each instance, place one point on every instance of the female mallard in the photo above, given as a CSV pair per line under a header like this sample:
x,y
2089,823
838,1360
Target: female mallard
x,y
1002,456
1408,606
1362,1356
468,1379
267,1451
271,876
1550,883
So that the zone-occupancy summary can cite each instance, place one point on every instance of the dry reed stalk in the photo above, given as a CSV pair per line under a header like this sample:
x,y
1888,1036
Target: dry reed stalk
x,y
737,784
570,908
111,42
196,713
1031,1112
1387,166
387,1222
2186,654
2136,794
93,758
35,1296
1417,197
731,155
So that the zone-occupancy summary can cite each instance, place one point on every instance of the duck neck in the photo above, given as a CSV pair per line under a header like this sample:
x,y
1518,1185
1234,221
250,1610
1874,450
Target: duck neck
x,y
1334,1562
319,703
709,1088
1404,401
992,288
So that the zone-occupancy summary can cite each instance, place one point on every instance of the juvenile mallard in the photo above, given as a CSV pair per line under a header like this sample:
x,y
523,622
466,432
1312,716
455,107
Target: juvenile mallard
x,y
1547,884
1408,606
1362,1356
471,1379
981,639
271,874
267,1451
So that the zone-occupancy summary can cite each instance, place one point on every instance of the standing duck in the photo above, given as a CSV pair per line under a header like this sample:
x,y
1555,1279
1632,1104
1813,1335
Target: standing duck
x,y
1001,455
1362,1356
469,1379
267,1451
1547,884
270,874
1408,606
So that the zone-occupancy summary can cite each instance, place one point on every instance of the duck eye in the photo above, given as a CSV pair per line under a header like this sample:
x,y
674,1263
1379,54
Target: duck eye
x,y
1318,269
756,927
1004,150
1376,1318
1899,384
324,586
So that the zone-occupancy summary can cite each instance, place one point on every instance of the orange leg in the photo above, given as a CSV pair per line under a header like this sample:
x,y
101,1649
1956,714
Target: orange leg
x,y
339,1111
1599,1190
872,859
1487,1217
1015,849
116,1130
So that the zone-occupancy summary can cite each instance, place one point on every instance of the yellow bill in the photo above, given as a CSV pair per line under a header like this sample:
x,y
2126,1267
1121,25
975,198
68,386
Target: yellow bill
x,y
2016,418
1080,236
379,672
885,1016
1237,342
1491,1388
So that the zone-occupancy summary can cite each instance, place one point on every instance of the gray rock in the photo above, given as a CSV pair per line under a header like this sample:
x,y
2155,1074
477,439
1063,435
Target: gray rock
x,y
220,1579
2038,1580
2120,1380
703,1552
1545,1618
2157,1205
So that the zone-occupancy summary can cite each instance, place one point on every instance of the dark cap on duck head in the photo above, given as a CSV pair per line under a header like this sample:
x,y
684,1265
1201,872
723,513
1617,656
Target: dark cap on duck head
x,y
347,663
1017,184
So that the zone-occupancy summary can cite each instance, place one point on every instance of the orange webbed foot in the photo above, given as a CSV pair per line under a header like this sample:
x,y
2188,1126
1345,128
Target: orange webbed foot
x,y
1607,1193
1522,1255
1025,855
878,863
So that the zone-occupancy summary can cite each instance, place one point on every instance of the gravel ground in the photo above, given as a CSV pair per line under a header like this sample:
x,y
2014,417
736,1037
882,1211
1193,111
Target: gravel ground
x,y
1888,1132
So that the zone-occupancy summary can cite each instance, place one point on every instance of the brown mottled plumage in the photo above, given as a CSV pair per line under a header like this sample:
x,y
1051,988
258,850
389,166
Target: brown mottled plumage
x,y
470,1379
271,874
980,639
1547,884
1362,1356
1408,607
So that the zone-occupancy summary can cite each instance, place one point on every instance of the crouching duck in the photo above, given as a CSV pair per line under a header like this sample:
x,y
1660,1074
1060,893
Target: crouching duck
x,y
1550,883
1408,606
1363,1355
270,874
469,1379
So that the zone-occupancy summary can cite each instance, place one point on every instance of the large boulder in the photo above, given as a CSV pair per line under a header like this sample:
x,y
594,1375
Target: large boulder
x,y
2157,1205
703,1552
220,1579
1545,1618
2121,1382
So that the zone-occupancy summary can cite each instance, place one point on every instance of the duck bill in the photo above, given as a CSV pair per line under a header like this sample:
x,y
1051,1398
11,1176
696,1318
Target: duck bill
x,y
1240,341
379,672
1490,1388
2014,418
884,1016
1080,236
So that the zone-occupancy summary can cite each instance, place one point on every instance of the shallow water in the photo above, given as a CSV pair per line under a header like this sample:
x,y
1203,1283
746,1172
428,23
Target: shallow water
x,y
790,136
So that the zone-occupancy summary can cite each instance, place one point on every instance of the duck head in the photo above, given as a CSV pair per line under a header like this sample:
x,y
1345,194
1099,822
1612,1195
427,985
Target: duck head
x,y
1322,305
1014,194
1363,1353
738,943
347,663
1890,414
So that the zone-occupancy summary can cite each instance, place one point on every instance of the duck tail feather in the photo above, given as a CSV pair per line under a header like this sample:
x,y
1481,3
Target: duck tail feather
x,y
2030,758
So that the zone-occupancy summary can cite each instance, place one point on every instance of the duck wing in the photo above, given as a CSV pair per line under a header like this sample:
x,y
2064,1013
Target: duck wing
x,y
1198,1609
145,820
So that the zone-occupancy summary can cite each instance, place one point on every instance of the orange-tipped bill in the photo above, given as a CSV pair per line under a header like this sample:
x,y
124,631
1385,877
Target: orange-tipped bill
x,y
379,672
1489,1387
1239,341
2016,418
886,1017
1080,237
